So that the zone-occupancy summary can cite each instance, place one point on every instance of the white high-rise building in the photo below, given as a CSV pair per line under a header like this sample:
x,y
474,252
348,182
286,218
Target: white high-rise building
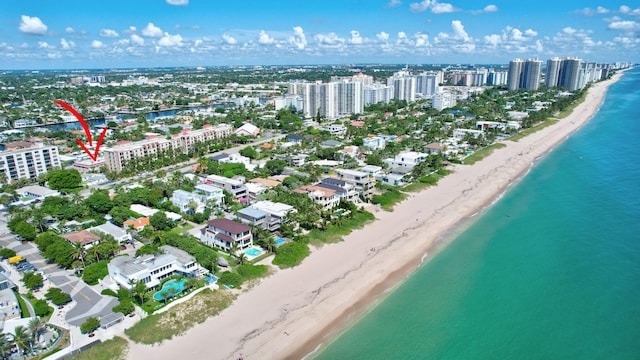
x,y
516,66
377,93
426,84
552,74
28,163
524,74
497,78
404,86
569,76
342,96
443,100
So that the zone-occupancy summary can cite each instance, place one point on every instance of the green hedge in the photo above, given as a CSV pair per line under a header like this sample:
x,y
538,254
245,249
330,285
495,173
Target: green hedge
x,y
291,254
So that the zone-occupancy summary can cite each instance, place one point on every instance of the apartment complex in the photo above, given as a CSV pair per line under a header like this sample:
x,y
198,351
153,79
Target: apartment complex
x,y
524,74
28,163
572,73
363,182
116,157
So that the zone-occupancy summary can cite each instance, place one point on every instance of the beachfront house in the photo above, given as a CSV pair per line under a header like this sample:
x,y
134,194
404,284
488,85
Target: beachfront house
x,y
268,215
150,269
408,159
223,233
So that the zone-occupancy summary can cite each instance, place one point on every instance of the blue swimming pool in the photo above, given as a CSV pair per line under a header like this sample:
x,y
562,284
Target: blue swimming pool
x,y
211,279
280,241
170,289
253,252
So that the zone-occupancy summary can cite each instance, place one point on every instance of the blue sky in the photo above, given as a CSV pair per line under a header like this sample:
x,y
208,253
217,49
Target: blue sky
x,y
37,34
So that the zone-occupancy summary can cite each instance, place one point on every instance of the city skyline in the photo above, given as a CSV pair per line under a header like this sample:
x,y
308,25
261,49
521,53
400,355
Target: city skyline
x,y
68,35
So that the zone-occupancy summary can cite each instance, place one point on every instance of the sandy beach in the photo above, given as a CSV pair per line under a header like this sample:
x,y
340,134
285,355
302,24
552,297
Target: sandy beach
x,y
290,313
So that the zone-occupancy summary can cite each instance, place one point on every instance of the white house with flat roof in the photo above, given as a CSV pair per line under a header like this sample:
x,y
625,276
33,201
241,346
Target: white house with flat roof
x,y
150,269
407,159
148,212
185,201
36,192
374,143
213,194
120,235
235,187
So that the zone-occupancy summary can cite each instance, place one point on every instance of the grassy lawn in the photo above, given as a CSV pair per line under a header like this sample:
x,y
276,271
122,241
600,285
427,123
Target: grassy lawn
x,y
426,181
115,348
388,199
339,228
291,254
482,153
533,129
159,327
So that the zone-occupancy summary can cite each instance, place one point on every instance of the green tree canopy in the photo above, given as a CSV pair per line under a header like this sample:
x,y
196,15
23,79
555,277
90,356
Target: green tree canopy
x,y
99,202
159,221
32,281
26,230
90,325
64,180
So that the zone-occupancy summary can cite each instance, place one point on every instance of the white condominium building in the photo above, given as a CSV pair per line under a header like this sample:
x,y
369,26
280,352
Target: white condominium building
x,y
28,163
116,157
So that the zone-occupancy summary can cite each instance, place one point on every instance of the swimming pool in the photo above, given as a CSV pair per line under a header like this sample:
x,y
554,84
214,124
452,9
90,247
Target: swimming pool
x,y
253,252
280,241
170,289
211,279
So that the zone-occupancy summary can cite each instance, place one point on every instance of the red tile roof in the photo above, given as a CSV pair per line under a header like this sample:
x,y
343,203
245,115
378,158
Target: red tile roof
x,y
84,237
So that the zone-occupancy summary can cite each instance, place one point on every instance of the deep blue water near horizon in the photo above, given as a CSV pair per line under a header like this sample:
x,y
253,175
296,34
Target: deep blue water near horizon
x,y
551,271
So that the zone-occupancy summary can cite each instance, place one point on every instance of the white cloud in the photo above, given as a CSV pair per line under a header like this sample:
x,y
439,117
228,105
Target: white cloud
x,y
493,39
421,6
197,43
169,40
136,39
442,8
330,39
69,30
108,33
356,39
590,12
32,25
626,25
265,39
422,40
43,45
394,3
178,2
434,5
458,30
229,39
569,30
490,8
624,9
530,33
152,31
299,40
96,44
66,45
383,36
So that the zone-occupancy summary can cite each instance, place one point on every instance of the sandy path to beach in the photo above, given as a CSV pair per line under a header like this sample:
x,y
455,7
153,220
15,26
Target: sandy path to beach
x,y
289,313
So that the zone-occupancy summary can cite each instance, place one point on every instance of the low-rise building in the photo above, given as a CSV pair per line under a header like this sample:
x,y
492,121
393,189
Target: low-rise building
x,y
324,197
406,159
108,228
150,269
235,187
83,237
223,233
374,143
36,192
363,182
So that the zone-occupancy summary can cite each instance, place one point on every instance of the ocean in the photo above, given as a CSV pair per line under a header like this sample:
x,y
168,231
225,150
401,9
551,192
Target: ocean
x,y
550,271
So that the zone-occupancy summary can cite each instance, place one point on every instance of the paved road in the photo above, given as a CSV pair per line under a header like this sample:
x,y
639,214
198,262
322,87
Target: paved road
x,y
88,302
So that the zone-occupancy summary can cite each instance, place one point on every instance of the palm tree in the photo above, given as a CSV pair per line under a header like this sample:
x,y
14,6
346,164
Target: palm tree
x,y
234,249
78,252
35,326
242,258
6,340
22,338
270,242
139,289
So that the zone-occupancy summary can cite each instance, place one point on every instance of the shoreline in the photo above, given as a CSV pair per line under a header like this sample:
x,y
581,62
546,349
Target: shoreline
x,y
297,311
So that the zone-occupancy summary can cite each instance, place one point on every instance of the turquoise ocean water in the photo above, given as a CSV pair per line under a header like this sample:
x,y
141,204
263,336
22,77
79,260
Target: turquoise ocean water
x,y
551,271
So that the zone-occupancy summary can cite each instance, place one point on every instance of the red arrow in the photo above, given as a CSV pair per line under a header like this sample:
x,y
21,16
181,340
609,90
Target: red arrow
x,y
93,156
